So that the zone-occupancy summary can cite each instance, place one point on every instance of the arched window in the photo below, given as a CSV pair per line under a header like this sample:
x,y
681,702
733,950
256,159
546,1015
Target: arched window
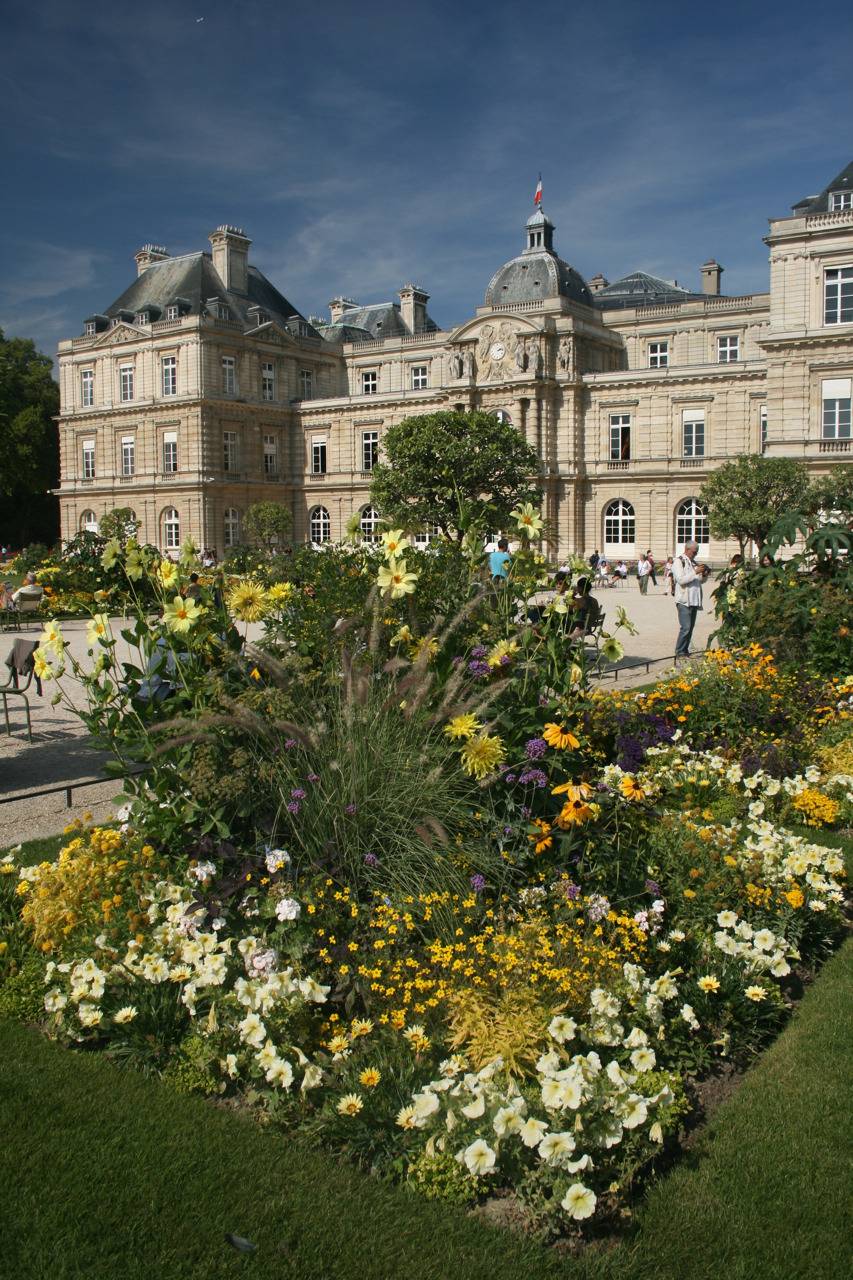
x,y
320,525
89,522
232,526
171,529
620,526
691,523
369,524
503,416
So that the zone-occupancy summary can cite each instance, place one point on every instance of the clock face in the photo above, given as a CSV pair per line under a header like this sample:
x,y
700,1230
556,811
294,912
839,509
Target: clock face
x,y
497,351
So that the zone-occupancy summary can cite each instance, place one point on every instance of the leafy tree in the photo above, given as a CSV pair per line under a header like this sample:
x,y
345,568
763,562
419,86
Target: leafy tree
x,y
746,497
266,525
459,471
29,442
831,496
120,523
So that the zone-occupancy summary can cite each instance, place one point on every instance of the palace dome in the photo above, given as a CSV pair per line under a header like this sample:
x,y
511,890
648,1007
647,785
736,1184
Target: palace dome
x,y
538,273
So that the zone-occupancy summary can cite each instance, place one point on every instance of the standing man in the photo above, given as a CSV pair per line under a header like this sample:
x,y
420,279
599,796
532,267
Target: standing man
x,y
499,561
594,559
644,568
688,578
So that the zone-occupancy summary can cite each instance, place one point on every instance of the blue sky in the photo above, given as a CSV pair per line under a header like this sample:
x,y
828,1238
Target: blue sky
x,y
362,146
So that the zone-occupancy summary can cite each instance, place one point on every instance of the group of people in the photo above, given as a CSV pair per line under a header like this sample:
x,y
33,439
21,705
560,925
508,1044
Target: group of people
x,y
28,590
608,575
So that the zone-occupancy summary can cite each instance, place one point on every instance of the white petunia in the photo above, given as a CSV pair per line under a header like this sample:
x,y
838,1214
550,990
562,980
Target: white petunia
x,y
532,1132
313,1077
475,1109
727,919
764,940
555,1146
507,1120
252,1030
643,1059
579,1201
426,1104
636,1113
479,1158
280,1073
288,909
562,1029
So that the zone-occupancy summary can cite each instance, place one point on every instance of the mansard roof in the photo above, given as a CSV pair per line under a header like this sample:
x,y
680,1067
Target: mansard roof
x,y
820,203
639,289
377,320
191,280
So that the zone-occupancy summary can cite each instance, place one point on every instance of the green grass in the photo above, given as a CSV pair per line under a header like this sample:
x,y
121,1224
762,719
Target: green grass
x,y
44,850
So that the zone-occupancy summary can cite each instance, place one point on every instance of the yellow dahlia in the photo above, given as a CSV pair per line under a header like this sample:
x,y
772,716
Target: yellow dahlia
x,y
181,614
247,601
463,726
482,754
395,578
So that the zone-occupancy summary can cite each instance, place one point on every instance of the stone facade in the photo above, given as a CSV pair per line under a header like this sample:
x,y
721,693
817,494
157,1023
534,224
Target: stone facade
x,y
202,390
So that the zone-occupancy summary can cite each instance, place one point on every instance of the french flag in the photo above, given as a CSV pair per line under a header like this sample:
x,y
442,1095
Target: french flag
x,y
537,199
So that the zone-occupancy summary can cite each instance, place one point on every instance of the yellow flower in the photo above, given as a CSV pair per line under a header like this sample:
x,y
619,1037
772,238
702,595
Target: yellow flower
x,y
482,754
41,666
181,614
631,789
279,593
528,519
111,553
167,572
504,649
394,543
709,984
350,1105
98,629
52,638
556,736
463,726
574,812
370,1077
755,993
795,898
247,601
395,578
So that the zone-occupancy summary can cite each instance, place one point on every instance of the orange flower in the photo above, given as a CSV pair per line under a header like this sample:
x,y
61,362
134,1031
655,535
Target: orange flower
x,y
556,736
574,813
630,788
541,839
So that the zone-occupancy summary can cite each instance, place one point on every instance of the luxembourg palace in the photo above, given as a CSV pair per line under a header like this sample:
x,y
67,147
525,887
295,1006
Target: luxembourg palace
x,y
202,389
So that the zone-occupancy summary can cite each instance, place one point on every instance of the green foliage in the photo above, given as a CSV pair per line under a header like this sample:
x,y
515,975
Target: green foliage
x,y
441,1177
266,525
29,443
22,995
746,497
459,471
31,558
120,523
189,1069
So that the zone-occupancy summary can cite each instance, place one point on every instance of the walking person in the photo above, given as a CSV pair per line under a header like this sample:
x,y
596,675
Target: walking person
x,y
499,561
688,595
644,568
652,573
668,580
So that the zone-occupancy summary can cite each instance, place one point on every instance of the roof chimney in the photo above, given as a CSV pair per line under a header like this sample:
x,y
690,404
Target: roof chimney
x,y
338,306
597,283
147,254
711,272
413,302
231,257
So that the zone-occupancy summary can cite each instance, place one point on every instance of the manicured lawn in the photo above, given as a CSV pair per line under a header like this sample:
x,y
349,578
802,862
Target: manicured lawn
x,y
44,850
109,1174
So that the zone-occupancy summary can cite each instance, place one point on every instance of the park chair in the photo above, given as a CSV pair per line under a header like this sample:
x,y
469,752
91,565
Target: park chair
x,y
21,666
25,607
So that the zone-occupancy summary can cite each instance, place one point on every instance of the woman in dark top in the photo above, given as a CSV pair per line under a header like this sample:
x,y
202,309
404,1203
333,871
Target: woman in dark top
x,y
584,612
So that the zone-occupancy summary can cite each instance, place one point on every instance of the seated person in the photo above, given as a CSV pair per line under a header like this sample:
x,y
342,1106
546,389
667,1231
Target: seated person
x,y
621,570
537,604
585,610
6,595
29,590
193,591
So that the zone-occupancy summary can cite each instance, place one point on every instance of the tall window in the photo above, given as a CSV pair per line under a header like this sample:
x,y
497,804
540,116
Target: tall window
x,y
691,523
169,367
229,450
170,452
171,529
231,529
840,200
620,436
306,384
89,522
762,427
369,450
267,380
838,296
369,382
620,525
693,433
658,355
369,524
125,380
91,328
728,348
229,375
270,456
88,459
318,456
420,377
87,388
320,525
128,456
836,408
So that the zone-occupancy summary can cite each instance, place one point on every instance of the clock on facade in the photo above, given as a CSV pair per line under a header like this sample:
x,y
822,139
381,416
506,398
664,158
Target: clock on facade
x,y
497,351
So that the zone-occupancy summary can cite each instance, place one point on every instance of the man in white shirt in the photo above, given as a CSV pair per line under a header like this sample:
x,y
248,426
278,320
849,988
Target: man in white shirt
x,y
644,568
688,595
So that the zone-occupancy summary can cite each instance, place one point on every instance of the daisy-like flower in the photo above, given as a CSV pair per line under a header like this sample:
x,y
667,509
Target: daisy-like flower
x,y
41,666
110,553
611,649
370,1077
407,1118
350,1105
52,638
360,1027
755,993
482,754
464,726
126,1014
247,601
394,578
708,983
168,573
579,1201
527,518
181,615
630,788
560,738
574,812
479,1158
279,593
394,543
500,654
98,630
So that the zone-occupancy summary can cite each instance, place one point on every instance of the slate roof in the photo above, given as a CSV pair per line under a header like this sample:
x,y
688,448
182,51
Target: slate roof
x,y
193,279
378,320
639,289
820,203
534,276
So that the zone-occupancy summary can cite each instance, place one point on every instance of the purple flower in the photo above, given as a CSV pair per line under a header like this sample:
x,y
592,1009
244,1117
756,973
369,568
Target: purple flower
x,y
505,660
509,778
456,659
598,907
297,793
534,777
289,744
313,777
478,883
507,831
573,892
652,887
535,748
526,812
478,668
293,806
350,808
371,860
479,651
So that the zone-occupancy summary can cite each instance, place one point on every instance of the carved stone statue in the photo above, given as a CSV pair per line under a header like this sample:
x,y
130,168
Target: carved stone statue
x,y
455,365
566,356
538,363
521,355
468,363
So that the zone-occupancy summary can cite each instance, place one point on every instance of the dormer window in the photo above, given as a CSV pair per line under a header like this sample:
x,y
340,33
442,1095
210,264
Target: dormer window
x,y
142,317
173,312
91,328
839,200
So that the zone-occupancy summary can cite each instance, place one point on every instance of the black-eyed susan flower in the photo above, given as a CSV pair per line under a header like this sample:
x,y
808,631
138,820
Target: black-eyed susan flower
x,y
560,738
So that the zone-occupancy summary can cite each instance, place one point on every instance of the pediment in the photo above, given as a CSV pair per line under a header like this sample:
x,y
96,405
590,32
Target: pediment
x,y
271,331
117,334
506,322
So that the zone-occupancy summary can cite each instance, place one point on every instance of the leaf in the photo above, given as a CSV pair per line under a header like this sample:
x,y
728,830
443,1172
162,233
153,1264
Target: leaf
x,y
240,1243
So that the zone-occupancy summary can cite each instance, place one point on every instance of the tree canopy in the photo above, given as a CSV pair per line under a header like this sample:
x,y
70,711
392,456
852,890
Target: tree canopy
x,y
29,442
266,525
746,497
119,523
458,471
